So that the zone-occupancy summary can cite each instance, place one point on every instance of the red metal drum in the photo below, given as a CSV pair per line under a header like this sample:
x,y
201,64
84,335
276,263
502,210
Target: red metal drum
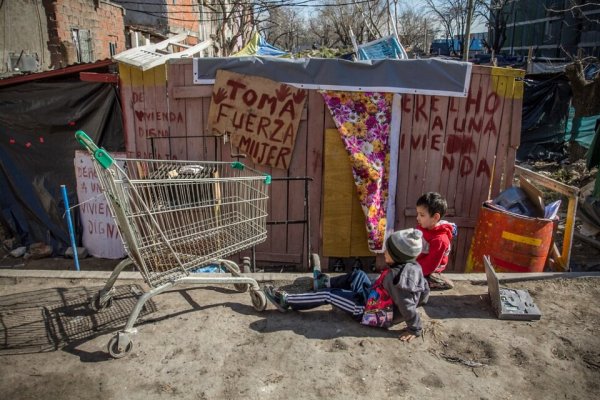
x,y
515,243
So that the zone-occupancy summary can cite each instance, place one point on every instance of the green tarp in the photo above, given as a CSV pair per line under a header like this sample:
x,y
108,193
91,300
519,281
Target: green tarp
x,y
581,130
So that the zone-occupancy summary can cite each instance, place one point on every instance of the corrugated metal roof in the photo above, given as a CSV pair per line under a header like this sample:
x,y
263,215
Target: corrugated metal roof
x,y
152,55
72,69
146,29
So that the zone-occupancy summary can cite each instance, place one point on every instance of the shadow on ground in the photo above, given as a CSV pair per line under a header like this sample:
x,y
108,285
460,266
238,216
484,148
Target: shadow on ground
x,y
61,318
459,306
323,324
318,324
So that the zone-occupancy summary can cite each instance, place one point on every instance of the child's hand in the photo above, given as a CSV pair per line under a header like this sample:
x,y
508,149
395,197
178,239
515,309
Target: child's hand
x,y
406,336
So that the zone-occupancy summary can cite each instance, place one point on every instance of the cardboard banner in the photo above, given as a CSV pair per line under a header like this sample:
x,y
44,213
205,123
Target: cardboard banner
x,y
261,115
100,234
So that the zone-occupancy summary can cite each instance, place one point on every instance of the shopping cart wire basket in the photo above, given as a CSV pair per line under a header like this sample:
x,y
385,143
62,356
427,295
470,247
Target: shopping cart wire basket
x,y
175,216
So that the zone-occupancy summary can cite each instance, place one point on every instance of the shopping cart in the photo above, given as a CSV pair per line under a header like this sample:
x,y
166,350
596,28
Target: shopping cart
x,y
177,216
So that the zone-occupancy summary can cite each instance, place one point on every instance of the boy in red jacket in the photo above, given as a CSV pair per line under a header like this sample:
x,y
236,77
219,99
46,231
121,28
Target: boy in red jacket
x,y
437,237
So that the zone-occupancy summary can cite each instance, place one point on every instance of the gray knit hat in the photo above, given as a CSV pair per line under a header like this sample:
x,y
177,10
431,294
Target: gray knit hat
x,y
404,245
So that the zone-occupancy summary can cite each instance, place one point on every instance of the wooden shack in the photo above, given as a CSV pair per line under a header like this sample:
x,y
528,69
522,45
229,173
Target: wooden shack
x,y
463,148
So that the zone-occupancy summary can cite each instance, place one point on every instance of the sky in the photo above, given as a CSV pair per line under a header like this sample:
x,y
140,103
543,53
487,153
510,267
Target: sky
x,y
477,26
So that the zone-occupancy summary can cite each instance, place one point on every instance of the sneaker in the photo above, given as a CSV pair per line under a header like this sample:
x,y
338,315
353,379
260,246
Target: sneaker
x,y
321,281
438,281
277,297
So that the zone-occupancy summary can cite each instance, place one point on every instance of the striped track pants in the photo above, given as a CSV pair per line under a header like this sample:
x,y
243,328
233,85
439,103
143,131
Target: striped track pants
x,y
347,292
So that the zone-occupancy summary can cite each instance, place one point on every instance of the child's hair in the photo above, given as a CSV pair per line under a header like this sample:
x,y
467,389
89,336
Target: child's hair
x,y
434,202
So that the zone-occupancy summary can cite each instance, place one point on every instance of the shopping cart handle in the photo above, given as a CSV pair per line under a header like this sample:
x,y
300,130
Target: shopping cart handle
x,y
239,165
100,154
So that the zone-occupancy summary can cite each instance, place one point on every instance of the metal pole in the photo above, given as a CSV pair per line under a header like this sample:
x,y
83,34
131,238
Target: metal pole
x,y
425,48
307,214
467,39
63,189
389,17
514,20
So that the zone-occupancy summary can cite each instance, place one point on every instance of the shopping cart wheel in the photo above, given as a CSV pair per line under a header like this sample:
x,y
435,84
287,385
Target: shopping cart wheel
x,y
259,300
97,306
115,351
240,287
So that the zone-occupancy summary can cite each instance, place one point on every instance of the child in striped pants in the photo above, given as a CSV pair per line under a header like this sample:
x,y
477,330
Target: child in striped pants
x,y
401,282
348,292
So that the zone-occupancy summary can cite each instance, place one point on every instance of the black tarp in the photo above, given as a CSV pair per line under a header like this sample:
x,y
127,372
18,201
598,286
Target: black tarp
x,y
433,76
38,121
546,102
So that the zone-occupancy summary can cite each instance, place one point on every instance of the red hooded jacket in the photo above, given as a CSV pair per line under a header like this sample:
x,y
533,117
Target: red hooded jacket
x,y
436,247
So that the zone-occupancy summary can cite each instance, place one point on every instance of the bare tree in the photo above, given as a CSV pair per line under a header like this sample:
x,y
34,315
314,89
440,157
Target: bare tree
x,y
231,20
323,32
497,14
453,16
333,23
580,9
374,14
285,27
586,93
415,31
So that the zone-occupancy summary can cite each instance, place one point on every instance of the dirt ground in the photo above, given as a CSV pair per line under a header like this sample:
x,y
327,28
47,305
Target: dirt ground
x,y
210,343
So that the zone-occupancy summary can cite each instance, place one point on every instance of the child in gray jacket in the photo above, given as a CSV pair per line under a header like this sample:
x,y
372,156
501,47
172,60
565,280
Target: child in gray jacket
x,y
400,284
405,282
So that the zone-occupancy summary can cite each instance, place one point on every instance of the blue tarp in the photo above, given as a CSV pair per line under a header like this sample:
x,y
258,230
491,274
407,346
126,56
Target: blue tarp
x,y
445,47
381,49
258,46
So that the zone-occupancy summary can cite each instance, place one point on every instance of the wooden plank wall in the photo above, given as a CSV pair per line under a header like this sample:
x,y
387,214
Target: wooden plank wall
x,y
167,119
456,146
460,147
146,112
343,221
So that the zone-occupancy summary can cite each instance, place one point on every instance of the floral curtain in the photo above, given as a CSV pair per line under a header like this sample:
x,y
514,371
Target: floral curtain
x,y
363,120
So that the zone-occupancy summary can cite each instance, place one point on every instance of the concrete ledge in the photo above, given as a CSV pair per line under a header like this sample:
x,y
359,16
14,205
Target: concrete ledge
x,y
519,277
280,276
54,274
